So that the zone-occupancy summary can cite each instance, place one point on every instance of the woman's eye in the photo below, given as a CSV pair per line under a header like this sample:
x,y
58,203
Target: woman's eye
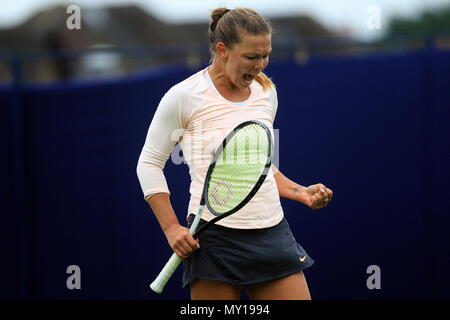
x,y
256,57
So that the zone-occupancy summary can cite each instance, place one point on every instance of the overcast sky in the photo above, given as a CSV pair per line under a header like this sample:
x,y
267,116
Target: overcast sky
x,y
349,15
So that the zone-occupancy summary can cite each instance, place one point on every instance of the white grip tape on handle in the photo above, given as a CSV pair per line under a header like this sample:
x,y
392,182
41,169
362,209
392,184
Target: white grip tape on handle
x,y
158,284
166,273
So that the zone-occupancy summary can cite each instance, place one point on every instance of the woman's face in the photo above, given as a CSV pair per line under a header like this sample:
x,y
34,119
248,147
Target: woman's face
x,y
247,58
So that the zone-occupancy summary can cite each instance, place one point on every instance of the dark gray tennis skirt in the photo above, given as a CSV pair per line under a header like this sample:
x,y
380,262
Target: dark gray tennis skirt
x,y
241,256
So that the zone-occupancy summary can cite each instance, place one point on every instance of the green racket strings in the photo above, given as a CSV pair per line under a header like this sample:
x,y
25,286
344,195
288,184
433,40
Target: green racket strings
x,y
238,168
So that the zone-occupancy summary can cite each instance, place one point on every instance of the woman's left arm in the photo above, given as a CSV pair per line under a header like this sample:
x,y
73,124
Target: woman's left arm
x,y
315,196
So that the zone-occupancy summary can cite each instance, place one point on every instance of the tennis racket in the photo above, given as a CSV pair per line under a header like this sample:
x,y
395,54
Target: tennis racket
x,y
237,171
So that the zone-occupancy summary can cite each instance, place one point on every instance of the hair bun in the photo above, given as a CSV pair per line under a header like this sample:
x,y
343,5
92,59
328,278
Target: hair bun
x,y
215,16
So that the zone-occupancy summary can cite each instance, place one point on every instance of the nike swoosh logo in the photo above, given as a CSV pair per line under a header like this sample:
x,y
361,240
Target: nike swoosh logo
x,y
302,259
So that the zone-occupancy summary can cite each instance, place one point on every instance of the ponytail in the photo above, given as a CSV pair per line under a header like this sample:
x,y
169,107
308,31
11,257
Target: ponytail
x,y
264,81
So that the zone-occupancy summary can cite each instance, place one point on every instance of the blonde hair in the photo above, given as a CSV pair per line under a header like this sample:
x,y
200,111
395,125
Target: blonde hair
x,y
226,25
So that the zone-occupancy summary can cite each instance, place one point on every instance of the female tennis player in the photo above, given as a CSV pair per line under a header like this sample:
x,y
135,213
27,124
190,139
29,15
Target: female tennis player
x,y
253,249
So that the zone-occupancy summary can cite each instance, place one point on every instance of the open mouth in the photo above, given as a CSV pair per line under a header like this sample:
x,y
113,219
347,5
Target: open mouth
x,y
248,77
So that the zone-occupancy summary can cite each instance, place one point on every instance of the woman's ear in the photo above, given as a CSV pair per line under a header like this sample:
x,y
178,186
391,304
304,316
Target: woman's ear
x,y
222,51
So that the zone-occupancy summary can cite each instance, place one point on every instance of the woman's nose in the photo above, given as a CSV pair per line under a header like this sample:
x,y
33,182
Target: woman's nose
x,y
259,64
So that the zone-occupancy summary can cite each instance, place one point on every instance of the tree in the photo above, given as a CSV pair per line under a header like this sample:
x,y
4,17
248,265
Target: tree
x,y
429,22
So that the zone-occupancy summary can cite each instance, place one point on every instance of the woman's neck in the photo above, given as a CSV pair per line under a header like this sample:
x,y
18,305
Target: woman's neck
x,y
224,85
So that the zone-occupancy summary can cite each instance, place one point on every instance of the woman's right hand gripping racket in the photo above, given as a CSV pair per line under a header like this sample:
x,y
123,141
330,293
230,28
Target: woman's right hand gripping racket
x,y
236,173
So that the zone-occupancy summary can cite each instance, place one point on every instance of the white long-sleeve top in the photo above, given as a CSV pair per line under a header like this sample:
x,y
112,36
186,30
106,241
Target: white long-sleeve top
x,y
194,114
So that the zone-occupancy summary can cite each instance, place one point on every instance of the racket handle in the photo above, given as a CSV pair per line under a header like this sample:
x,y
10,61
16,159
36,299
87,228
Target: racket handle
x,y
165,274
158,284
